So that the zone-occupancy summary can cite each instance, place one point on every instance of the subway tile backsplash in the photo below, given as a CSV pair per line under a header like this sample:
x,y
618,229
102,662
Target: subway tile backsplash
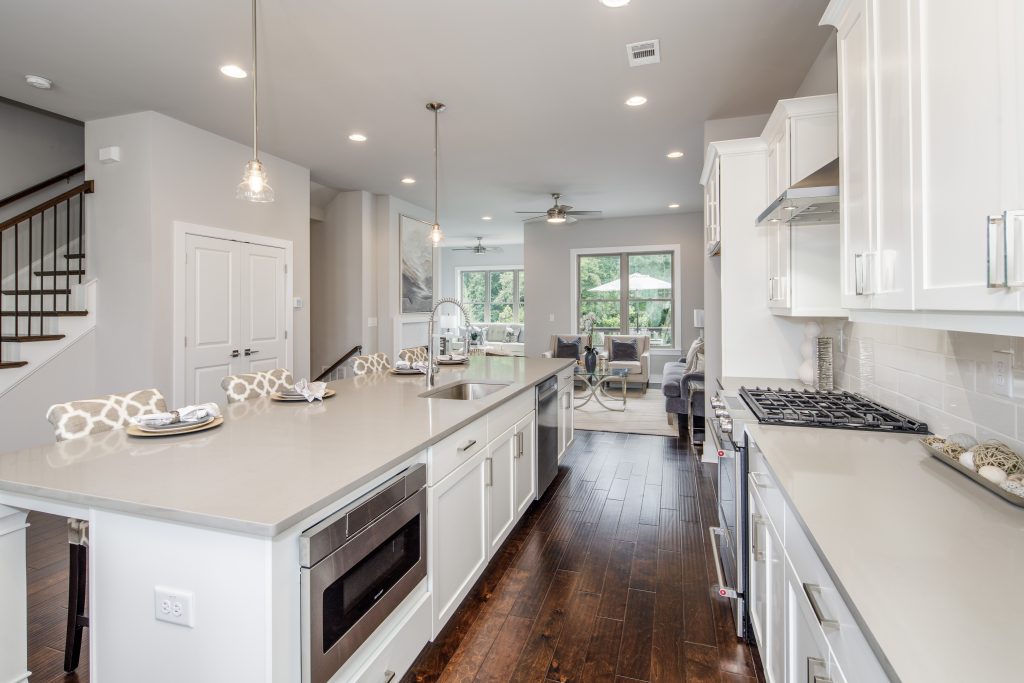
x,y
943,378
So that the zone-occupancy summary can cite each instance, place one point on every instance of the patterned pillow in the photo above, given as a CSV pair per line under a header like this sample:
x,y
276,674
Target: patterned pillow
x,y
81,418
253,385
510,335
624,350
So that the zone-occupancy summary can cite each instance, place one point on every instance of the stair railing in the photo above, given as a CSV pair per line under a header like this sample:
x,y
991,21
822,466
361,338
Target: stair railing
x,y
354,351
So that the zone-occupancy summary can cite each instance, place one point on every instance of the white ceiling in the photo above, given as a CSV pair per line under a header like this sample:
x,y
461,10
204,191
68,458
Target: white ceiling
x,y
535,88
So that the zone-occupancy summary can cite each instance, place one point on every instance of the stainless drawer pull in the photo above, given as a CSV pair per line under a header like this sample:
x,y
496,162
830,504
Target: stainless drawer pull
x,y
490,471
813,664
759,484
996,257
466,446
389,676
757,550
858,274
813,593
723,590
519,444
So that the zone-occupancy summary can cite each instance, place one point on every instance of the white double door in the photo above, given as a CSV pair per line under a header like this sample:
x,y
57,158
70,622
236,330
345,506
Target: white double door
x,y
236,318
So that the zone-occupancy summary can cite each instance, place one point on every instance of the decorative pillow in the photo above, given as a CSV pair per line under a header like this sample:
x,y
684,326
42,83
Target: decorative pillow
x,y
519,334
696,352
80,418
510,335
566,348
624,350
698,344
495,333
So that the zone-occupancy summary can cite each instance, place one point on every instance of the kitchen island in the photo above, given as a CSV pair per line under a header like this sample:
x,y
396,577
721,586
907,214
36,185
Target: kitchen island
x,y
913,569
219,514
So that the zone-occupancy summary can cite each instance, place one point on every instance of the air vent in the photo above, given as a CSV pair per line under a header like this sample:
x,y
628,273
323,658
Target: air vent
x,y
644,53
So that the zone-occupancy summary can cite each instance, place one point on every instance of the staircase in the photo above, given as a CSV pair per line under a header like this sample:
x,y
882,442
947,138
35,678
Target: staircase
x,y
42,266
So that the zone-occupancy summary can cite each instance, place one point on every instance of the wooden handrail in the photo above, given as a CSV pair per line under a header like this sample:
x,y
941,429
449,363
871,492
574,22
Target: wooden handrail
x,y
41,186
84,188
354,351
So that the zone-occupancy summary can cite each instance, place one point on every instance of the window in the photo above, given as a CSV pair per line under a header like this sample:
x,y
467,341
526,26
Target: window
x,y
494,296
645,307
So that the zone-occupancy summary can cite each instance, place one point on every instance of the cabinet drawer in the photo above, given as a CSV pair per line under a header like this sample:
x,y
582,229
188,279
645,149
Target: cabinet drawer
x,y
565,376
852,652
450,452
506,416
762,482
399,648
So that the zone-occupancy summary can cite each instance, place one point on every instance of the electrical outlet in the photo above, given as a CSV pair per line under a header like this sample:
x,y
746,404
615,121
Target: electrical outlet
x,y
1002,373
173,606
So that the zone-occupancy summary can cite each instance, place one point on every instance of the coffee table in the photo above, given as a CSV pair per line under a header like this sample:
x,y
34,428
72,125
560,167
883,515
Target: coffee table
x,y
596,385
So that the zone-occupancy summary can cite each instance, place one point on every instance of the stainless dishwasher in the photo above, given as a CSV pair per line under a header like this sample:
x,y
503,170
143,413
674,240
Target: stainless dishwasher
x,y
547,434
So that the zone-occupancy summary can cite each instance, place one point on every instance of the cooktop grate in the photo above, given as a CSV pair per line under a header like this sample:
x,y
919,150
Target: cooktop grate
x,y
835,409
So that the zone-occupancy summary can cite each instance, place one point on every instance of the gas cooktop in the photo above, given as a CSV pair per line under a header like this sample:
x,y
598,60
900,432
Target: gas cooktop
x,y
835,409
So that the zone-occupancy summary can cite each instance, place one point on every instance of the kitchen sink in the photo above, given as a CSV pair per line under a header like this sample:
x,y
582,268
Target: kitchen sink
x,y
466,391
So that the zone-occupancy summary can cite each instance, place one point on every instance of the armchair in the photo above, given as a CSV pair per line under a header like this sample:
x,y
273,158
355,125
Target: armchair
x,y
584,340
640,369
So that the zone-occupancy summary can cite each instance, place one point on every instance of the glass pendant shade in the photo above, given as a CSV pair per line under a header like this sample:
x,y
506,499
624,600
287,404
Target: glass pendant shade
x,y
436,235
254,186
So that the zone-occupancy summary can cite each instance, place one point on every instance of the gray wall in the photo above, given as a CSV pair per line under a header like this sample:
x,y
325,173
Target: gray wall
x,y
823,76
35,146
510,255
548,270
733,129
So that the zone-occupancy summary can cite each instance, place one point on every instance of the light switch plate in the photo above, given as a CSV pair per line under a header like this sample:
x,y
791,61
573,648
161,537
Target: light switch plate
x,y
174,606
297,302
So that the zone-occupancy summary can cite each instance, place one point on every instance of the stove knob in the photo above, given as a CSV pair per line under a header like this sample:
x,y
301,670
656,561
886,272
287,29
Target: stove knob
x,y
717,403
727,425
721,412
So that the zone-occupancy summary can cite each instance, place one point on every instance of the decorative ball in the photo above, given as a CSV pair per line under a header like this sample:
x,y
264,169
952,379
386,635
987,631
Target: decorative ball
x,y
812,329
1013,486
998,455
967,459
1018,477
965,441
993,474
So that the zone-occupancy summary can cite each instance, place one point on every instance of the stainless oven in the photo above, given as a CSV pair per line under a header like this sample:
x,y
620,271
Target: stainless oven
x,y
357,567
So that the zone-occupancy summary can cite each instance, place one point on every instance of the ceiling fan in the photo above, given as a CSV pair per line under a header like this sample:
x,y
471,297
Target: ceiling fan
x,y
479,248
559,213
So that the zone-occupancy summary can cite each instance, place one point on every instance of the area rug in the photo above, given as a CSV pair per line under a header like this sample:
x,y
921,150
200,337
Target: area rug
x,y
643,415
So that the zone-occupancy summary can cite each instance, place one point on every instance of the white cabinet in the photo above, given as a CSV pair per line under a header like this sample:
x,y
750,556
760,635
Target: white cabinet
x,y
807,653
766,598
802,135
525,463
501,505
566,426
931,100
712,210
457,544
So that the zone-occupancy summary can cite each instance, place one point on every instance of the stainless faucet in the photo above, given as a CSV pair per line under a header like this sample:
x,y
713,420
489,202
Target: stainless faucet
x,y
431,365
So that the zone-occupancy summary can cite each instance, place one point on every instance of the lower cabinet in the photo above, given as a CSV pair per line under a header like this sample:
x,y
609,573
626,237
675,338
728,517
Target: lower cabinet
x,y
565,419
525,463
807,654
501,478
766,595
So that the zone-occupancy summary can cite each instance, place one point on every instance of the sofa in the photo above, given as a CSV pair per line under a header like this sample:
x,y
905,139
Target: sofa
x,y
675,387
640,369
493,337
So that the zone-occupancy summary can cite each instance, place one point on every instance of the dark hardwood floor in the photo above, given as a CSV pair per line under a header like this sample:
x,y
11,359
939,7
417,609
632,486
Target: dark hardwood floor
x,y
47,541
606,578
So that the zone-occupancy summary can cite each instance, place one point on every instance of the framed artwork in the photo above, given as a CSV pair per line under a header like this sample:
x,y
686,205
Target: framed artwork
x,y
416,255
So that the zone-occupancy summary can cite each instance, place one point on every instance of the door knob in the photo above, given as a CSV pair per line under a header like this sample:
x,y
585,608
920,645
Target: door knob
x,y
234,353
251,352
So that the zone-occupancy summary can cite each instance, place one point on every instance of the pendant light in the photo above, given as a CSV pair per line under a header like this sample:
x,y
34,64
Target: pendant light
x,y
435,231
254,186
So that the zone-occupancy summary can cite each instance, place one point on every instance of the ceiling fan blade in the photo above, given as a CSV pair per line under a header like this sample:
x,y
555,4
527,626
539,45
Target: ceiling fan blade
x,y
564,207
584,213
535,218
568,220
534,212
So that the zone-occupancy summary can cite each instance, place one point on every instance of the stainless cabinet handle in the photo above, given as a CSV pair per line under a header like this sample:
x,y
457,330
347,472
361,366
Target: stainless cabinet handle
x,y
519,444
756,549
813,592
814,664
234,353
858,274
723,590
490,471
389,676
759,484
466,446
996,253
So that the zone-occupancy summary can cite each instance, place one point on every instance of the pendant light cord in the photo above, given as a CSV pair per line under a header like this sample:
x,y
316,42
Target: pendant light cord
x,y
436,154
255,86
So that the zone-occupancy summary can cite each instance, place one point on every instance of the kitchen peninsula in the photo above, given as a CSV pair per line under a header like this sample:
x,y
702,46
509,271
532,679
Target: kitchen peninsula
x,y
217,516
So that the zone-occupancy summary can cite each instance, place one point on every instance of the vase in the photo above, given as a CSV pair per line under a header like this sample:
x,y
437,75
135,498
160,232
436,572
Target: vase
x,y
590,361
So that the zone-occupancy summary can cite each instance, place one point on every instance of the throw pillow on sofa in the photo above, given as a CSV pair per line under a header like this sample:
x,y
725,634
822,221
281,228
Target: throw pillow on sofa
x,y
624,350
565,348
510,335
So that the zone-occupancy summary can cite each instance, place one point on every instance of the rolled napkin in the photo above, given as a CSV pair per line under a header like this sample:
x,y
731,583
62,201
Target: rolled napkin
x,y
421,366
312,391
186,415
406,365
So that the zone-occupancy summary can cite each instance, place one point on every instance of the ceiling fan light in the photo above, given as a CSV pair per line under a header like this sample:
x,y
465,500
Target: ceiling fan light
x,y
254,186
556,219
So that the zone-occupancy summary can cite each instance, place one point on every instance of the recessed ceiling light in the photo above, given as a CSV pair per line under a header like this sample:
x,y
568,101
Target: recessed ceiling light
x,y
636,100
39,82
233,71
673,206
408,181
357,137
674,155
614,3
485,218
789,208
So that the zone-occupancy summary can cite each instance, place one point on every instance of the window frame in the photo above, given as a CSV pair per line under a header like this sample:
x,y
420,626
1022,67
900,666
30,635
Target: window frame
x,y
518,301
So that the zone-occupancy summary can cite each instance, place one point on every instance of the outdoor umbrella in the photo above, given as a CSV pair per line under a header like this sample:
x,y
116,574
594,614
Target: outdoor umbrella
x,y
637,281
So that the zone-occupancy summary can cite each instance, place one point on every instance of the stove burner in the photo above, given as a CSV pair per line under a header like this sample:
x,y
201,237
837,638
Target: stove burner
x,y
836,409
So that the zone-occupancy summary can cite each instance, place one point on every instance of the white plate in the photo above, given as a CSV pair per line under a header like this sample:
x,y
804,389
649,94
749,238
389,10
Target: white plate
x,y
410,371
174,426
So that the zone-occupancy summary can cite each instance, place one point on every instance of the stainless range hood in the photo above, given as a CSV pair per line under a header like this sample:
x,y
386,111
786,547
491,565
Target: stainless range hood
x,y
813,200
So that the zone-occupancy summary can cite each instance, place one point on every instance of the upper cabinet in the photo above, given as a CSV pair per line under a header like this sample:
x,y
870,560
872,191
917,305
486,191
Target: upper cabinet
x,y
712,213
931,99
802,136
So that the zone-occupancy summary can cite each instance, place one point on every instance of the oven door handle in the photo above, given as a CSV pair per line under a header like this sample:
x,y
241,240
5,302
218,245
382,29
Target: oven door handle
x,y
719,451
723,590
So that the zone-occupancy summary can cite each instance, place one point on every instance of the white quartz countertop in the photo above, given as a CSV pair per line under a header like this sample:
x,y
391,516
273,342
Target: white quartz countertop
x,y
929,561
270,464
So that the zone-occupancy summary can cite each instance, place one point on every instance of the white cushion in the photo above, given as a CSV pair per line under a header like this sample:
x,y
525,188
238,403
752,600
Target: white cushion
x,y
633,366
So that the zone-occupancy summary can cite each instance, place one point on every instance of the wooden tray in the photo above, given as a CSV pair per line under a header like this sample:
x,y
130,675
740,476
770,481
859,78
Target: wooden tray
x,y
293,399
971,474
133,430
